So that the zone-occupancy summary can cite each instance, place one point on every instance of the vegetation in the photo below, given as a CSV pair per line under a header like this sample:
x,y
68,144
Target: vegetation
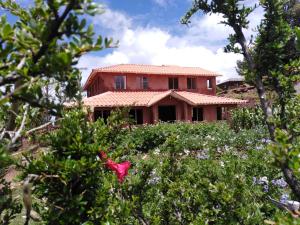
x,y
202,173
246,118
182,173
271,61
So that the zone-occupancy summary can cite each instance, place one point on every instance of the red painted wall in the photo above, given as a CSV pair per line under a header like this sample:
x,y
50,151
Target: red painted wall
x,y
103,82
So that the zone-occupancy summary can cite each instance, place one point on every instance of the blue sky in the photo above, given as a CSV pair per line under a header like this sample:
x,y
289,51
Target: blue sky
x,y
149,31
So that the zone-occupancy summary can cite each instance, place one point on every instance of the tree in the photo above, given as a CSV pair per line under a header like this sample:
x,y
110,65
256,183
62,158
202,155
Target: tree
x,y
39,51
269,63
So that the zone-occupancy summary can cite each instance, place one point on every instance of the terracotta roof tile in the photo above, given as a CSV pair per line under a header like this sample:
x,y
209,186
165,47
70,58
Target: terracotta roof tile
x,y
201,99
149,98
152,69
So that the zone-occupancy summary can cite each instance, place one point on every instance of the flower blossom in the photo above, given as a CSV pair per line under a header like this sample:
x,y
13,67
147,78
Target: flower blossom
x,y
120,169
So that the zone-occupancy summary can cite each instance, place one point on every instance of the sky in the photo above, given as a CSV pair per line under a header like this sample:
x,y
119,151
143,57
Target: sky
x,y
149,32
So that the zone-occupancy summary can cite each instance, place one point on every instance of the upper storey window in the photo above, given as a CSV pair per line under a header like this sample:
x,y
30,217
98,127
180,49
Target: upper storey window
x,y
191,83
209,84
173,83
144,83
120,82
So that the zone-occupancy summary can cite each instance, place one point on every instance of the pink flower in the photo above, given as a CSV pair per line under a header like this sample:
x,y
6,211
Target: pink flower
x,y
121,169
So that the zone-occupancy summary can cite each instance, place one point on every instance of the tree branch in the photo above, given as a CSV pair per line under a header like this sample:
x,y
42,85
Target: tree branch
x,y
17,134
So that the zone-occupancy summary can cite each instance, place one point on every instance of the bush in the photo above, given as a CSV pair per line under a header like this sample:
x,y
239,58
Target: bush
x,y
182,174
247,118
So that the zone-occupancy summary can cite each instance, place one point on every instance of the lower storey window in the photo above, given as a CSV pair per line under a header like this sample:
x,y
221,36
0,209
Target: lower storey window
x,y
197,114
220,113
136,115
104,114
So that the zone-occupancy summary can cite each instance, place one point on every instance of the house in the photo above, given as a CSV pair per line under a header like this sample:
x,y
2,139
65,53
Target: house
x,y
231,83
156,93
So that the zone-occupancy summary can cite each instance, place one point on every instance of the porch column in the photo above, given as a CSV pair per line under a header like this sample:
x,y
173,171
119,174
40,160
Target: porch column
x,y
155,114
185,112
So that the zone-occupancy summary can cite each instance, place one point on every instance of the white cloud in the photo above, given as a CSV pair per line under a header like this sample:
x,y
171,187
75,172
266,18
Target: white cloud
x,y
201,44
112,20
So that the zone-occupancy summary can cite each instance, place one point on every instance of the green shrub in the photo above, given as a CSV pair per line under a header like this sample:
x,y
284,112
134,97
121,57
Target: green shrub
x,y
181,173
246,118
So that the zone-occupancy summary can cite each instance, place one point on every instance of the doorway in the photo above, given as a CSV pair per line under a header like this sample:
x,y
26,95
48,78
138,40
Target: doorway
x,y
167,113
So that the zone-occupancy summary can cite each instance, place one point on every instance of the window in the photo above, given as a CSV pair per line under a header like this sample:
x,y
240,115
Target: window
x,y
209,84
104,114
144,82
191,83
137,115
120,82
197,114
219,113
173,83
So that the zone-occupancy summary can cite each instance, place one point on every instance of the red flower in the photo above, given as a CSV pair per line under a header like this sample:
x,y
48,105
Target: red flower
x,y
121,169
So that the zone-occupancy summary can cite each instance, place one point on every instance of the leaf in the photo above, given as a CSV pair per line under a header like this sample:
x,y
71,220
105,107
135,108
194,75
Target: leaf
x,y
64,57
6,31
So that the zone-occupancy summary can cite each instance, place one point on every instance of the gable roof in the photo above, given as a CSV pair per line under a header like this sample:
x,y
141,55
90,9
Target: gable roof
x,y
149,98
151,69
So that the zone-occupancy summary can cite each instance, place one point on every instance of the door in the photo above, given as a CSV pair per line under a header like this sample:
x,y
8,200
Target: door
x,y
167,113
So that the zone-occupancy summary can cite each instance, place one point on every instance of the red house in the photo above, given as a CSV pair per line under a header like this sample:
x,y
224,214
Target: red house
x,y
156,93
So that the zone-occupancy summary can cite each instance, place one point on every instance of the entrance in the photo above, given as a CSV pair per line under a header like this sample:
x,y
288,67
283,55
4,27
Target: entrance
x,y
167,113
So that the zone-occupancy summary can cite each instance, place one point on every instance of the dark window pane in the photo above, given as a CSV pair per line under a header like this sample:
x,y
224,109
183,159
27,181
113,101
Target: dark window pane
x,y
175,83
197,114
219,113
144,82
136,115
189,83
170,83
101,114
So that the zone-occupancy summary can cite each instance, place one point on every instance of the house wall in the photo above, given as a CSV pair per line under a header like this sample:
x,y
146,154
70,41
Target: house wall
x,y
210,112
103,82
184,111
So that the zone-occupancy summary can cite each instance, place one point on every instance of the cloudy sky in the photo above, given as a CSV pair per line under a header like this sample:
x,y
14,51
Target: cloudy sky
x,y
149,32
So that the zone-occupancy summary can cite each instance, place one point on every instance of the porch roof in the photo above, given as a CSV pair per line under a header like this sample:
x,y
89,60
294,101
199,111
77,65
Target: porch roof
x,y
149,98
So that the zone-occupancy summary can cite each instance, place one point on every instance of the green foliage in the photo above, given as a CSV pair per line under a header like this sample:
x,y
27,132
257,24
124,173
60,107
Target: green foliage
x,y
39,53
246,118
182,174
72,159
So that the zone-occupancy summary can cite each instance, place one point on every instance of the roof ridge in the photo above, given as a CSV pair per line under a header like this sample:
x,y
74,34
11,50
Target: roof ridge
x,y
157,94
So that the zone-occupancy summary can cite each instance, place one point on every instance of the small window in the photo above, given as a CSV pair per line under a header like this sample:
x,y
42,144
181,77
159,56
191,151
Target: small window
x,y
120,82
191,83
197,114
137,115
173,83
209,84
144,83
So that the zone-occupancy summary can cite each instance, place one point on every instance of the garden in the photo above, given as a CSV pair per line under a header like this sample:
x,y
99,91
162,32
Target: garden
x,y
181,173
66,169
